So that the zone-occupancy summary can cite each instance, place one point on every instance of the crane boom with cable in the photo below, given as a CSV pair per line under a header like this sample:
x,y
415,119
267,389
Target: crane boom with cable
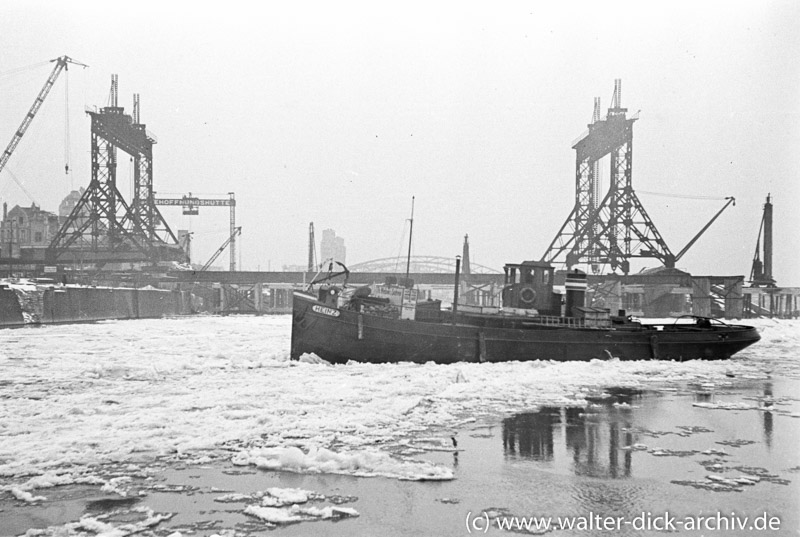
x,y
731,200
61,64
237,231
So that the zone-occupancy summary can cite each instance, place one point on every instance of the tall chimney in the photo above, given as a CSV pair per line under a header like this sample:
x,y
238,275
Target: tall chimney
x,y
465,268
456,288
312,252
768,240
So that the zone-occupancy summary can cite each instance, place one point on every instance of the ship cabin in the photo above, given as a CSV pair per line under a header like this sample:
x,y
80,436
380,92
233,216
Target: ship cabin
x,y
529,285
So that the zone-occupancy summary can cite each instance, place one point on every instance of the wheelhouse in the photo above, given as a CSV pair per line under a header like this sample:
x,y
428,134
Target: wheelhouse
x,y
529,285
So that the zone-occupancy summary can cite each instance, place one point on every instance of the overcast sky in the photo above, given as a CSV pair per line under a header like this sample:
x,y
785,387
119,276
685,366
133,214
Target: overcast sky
x,y
338,113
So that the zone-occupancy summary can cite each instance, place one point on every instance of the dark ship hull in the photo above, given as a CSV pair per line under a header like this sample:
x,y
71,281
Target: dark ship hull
x,y
340,334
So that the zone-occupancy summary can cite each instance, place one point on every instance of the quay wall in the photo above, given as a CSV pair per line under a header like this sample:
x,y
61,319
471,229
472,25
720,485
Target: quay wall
x,y
10,309
69,304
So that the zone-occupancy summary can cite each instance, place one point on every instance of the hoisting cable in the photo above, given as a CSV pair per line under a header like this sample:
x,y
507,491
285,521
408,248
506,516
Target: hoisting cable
x,y
66,125
684,196
17,70
19,184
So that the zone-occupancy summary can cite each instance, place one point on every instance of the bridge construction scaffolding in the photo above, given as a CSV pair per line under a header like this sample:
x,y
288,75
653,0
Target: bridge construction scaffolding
x,y
102,226
617,228
611,230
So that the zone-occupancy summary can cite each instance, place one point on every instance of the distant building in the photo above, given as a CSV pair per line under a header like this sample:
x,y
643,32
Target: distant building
x,y
69,203
26,227
31,228
332,246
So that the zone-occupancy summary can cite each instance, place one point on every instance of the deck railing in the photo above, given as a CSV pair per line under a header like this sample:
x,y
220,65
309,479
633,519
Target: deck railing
x,y
572,322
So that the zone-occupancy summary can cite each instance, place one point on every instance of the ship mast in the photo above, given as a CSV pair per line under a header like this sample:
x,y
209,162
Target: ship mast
x,y
410,233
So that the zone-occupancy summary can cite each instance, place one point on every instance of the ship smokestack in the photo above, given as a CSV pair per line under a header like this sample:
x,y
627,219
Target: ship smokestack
x,y
457,284
576,291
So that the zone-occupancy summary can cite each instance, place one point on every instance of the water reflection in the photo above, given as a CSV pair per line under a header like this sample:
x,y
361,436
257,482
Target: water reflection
x,y
705,394
531,434
592,437
766,416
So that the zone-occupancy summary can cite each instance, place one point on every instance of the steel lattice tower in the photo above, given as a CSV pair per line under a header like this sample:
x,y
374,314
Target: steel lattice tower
x,y
616,228
103,227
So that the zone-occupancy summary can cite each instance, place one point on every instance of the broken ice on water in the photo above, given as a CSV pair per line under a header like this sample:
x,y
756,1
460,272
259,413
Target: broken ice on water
x,y
82,399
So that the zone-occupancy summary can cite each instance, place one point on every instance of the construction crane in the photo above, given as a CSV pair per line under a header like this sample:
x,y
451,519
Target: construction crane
x,y
229,240
191,206
761,273
61,65
731,200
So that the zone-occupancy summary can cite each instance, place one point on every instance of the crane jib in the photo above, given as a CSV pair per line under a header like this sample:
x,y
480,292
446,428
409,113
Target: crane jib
x,y
61,64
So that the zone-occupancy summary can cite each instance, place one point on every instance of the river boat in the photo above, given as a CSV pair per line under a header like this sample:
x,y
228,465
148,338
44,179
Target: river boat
x,y
388,323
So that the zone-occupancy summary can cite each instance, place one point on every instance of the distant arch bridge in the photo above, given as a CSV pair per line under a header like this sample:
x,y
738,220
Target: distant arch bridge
x,y
419,264
427,270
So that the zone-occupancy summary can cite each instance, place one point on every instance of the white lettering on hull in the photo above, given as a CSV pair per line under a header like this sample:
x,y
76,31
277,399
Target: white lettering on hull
x,y
325,311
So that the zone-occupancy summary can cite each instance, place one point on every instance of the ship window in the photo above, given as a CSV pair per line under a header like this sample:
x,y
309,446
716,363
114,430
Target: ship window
x,y
527,276
511,276
545,277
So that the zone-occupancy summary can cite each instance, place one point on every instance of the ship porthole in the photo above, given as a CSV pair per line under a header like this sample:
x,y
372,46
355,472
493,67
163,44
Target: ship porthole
x,y
527,295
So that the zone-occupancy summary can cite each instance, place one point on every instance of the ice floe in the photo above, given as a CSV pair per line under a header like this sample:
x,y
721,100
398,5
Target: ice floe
x,y
105,525
635,447
359,463
278,497
233,498
726,406
26,496
277,506
281,497
718,483
296,513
